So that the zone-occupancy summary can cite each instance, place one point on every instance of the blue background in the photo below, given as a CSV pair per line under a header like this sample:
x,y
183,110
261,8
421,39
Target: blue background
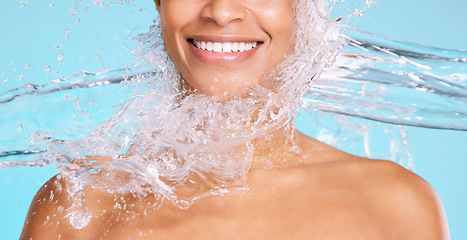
x,y
100,40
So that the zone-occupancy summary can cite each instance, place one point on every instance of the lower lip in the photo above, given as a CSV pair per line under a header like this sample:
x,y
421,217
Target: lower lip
x,y
222,59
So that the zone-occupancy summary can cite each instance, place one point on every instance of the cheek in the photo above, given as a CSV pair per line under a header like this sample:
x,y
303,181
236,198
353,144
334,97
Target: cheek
x,y
175,17
280,23
285,27
171,35
277,15
172,23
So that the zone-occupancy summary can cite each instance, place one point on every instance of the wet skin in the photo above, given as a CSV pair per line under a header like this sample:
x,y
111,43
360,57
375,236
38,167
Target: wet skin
x,y
318,192
327,195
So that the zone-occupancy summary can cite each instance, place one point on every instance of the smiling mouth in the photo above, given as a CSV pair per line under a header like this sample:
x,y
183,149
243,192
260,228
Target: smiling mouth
x,y
224,47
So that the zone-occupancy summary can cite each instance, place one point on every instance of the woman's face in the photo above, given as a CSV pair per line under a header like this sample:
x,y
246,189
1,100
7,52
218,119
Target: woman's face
x,y
224,47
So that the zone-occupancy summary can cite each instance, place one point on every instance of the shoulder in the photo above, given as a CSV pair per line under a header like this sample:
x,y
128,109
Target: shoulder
x,y
399,197
47,210
402,198
51,209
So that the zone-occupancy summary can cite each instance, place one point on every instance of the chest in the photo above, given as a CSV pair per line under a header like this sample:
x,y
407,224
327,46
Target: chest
x,y
312,218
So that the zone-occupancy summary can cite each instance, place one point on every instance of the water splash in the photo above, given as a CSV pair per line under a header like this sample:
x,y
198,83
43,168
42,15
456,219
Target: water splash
x,y
395,82
188,147
371,71
371,79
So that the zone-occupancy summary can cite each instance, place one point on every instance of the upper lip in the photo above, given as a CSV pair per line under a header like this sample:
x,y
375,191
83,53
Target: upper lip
x,y
224,38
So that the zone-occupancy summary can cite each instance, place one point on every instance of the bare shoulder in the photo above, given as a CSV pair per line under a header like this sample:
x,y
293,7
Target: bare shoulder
x,y
405,200
47,210
51,208
402,197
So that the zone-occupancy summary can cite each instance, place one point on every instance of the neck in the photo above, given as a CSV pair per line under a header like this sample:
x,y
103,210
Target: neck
x,y
277,148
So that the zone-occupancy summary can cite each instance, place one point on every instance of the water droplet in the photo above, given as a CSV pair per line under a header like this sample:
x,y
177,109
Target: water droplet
x,y
97,2
78,20
22,76
73,11
80,218
27,65
56,48
20,125
51,5
47,68
60,56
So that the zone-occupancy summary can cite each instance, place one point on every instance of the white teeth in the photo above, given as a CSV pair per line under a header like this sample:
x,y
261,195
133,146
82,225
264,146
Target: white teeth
x,y
217,47
235,47
209,46
197,44
226,47
241,47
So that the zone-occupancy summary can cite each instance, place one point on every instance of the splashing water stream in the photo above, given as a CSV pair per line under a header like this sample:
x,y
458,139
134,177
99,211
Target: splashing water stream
x,y
172,143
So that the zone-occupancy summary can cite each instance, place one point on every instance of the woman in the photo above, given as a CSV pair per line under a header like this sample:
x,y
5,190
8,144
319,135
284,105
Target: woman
x,y
299,188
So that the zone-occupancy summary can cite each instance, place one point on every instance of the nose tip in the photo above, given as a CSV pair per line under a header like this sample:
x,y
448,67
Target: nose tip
x,y
223,12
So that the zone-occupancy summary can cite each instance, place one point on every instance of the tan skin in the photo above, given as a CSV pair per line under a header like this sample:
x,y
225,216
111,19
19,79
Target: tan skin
x,y
317,193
